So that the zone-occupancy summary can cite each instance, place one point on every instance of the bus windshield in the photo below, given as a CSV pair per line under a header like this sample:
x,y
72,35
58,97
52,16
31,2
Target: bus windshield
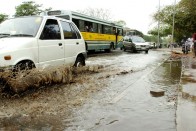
x,y
22,26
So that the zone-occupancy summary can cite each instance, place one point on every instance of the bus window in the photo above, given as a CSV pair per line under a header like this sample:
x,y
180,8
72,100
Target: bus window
x,y
99,28
86,26
120,32
95,28
76,22
107,29
81,25
114,30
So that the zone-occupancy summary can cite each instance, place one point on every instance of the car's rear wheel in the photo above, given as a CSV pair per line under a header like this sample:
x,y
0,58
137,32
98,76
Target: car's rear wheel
x,y
80,61
124,48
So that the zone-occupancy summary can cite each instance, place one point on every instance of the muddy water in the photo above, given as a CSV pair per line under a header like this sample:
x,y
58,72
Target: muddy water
x,y
115,98
134,108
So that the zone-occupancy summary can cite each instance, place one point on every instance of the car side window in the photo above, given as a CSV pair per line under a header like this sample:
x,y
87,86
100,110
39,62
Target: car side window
x,y
68,31
51,30
75,30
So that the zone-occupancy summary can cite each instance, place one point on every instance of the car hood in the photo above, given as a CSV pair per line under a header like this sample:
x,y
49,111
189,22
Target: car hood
x,y
140,43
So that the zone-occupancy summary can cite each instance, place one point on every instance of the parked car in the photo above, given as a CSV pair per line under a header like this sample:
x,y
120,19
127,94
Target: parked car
x,y
153,45
135,44
40,41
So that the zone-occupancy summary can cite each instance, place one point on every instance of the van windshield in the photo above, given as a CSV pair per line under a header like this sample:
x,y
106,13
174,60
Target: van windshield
x,y
20,27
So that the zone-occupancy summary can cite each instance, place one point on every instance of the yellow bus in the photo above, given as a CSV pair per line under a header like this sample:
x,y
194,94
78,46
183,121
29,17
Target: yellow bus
x,y
97,33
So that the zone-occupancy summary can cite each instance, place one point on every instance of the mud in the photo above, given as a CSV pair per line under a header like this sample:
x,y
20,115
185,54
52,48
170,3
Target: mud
x,y
49,102
82,103
18,82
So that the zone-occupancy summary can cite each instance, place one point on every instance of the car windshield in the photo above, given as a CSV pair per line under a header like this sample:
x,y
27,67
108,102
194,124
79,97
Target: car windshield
x,y
137,39
20,27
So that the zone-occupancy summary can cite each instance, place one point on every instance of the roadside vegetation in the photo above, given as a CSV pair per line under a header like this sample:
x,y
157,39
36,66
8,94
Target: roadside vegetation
x,y
185,24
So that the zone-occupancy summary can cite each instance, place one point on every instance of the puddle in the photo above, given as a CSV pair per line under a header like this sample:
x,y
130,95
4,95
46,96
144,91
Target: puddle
x,y
193,66
137,110
166,75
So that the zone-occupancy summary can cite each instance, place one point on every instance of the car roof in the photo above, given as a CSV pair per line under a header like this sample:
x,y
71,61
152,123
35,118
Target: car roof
x,y
44,17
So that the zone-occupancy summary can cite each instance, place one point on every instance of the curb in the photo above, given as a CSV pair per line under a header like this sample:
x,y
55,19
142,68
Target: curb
x,y
186,102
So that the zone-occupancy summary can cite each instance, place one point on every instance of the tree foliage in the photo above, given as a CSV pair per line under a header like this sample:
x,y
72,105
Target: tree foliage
x,y
164,30
3,17
185,19
150,38
29,8
97,12
120,22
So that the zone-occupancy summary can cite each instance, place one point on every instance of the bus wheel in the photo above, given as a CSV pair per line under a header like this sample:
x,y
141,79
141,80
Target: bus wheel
x,y
111,47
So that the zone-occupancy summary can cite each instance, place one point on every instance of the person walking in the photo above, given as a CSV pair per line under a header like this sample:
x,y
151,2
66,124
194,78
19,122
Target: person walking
x,y
194,45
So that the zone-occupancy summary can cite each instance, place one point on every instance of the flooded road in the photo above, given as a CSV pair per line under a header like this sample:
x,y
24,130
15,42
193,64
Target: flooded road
x,y
116,97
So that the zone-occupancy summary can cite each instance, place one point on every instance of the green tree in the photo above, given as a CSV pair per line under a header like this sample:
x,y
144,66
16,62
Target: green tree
x,y
185,15
97,12
120,22
29,8
164,30
150,38
3,17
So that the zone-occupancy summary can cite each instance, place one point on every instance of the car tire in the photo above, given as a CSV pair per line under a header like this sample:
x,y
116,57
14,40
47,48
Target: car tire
x,y
25,65
146,51
80,61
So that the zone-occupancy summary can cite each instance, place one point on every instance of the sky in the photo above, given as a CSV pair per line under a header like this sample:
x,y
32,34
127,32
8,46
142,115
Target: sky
x,y
136,13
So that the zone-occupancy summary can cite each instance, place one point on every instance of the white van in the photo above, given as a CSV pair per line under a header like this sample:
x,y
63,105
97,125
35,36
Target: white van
x,y
40,41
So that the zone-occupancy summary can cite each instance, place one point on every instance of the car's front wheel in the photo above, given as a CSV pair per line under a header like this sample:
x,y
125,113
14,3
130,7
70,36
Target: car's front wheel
x,y
24,65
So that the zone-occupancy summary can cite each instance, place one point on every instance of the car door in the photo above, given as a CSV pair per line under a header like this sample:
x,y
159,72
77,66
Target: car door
x,y
51,48
127,43
72,42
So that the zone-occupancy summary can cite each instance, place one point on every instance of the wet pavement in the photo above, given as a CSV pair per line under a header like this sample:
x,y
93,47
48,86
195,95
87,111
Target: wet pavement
x,y
134,108
116,97
186,105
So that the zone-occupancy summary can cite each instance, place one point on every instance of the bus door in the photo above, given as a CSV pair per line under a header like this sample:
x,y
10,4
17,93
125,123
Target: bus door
x,y
116,36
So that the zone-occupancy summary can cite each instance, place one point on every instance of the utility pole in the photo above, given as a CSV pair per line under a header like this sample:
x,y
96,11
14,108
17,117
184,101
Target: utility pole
x,y
159,25
174,11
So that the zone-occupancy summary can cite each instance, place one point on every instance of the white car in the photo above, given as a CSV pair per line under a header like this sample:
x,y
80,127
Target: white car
x,y
153,45
40,41
135,43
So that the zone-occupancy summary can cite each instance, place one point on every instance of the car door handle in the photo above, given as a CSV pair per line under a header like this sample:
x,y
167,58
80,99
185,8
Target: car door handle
x,y
60,44
77,43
